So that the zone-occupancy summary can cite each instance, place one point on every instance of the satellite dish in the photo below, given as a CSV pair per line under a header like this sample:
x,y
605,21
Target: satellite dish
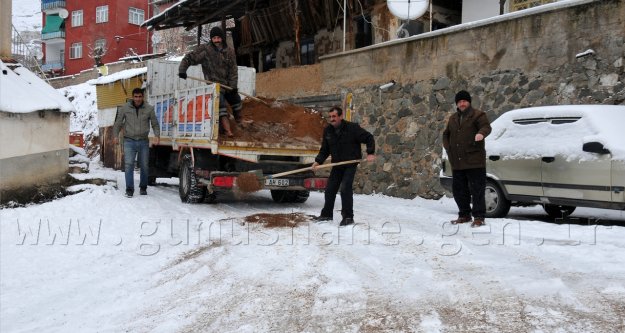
x,y
63,13
408,9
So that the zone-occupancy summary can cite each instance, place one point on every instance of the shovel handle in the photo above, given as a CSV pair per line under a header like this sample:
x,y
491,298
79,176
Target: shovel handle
x,y
322,166
229,88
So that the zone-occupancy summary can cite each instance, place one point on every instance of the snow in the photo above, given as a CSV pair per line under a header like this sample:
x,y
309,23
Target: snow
x,y
21,91
585,53
597,123
26,15
83,98
164,13
106,263
122,75
97,261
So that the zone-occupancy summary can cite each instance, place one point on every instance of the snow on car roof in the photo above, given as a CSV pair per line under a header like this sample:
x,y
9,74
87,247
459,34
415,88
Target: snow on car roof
x,y
558,130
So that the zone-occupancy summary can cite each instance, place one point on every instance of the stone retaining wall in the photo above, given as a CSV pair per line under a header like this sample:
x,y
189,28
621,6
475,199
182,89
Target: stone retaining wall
x,y
520,60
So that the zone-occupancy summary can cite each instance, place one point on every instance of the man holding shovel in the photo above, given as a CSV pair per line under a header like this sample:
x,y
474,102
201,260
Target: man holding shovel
x,y
219,64
342,139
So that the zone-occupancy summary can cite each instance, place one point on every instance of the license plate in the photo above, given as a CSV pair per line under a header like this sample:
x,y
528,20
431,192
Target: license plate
x,y
277,182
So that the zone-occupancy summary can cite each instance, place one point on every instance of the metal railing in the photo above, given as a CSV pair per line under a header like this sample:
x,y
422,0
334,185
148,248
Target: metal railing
x,y
24,54
53,35
53,65
52,4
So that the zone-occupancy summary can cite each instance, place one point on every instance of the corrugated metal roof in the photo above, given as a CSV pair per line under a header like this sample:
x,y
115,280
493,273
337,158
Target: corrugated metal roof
x,y
193,13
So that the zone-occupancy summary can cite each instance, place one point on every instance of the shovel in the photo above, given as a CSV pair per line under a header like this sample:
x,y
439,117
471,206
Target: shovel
x,y
230,88
322,166
251,181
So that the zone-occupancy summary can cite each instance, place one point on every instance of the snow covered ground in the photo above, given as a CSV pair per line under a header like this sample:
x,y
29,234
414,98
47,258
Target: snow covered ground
x,y
96,261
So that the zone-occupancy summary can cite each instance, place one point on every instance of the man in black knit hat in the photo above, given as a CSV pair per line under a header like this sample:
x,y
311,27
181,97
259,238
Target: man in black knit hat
x,y
219,64
463,139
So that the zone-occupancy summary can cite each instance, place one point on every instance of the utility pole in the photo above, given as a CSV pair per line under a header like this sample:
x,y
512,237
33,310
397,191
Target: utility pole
x,y
5,29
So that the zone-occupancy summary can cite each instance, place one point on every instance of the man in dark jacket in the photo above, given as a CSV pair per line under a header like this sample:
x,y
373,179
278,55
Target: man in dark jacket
x,y
463,139
342,139
219,64
136,117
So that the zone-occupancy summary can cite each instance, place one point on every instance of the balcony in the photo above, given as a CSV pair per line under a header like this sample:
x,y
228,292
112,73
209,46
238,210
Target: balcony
x,y
53,36
52,66
54,30
52,4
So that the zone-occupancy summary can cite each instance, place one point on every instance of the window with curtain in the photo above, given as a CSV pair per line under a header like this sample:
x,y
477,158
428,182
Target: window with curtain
x,y
75,51
102,14
77,18
135,16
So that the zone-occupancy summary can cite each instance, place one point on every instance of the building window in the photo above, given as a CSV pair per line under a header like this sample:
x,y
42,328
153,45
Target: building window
x,y
102,14
77,18
75,51
135,16
525,4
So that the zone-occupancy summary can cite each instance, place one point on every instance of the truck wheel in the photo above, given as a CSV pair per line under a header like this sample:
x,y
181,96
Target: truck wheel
x,y
300,196
189,190
286,196
496,203
558,211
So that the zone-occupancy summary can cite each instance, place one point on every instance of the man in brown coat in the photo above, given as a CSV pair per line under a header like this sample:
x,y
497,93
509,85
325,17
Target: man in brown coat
x,y
463,139
219,64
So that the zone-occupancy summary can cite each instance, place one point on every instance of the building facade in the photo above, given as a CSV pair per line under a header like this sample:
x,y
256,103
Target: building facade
x,y
78,35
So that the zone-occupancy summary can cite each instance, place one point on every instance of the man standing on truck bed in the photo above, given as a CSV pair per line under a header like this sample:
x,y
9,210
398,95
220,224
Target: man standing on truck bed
x,y
342,140
136,117
219,64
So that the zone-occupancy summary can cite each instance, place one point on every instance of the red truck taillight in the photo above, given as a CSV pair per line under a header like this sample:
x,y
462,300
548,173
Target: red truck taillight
x,y
315,183
224,181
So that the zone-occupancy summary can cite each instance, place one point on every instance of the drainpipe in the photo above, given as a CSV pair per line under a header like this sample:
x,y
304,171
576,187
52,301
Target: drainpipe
x,y
5,29
344,21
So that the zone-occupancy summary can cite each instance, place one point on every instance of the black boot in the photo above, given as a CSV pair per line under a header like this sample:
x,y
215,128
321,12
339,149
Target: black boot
x,y
346,221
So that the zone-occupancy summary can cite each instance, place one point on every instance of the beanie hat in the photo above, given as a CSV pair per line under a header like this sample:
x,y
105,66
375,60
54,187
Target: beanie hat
x,y
216,31
463,95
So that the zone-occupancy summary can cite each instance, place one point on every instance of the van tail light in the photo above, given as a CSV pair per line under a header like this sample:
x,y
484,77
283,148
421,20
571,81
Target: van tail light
x,y
224,181
315,183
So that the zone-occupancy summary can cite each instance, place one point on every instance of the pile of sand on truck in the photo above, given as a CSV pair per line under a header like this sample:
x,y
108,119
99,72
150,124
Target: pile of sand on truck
x,y
277,122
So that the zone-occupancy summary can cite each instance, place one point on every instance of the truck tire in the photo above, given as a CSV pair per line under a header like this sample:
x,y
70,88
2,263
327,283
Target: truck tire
x,y
189,190
287,196
496,203
558,211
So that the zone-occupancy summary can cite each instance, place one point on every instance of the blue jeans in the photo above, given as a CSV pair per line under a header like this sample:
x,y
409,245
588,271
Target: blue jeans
x,y
132,149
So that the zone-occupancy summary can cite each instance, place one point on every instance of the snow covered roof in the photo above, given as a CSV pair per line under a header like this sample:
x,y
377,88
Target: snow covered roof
x,y
123,75
21,91
558,130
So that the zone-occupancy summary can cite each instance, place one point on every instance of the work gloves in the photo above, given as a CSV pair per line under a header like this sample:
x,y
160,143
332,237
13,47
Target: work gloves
x,y
182,76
